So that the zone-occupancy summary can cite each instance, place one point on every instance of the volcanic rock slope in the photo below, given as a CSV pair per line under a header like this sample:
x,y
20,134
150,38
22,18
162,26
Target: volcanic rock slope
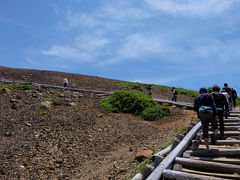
x,y
50,134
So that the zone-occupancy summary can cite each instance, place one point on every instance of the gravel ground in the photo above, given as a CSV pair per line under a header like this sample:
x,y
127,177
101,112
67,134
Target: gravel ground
x,y
74,138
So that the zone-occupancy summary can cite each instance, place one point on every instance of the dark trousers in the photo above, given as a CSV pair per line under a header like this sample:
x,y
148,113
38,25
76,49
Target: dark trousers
x,y
205,124
234,102
221,122
174,98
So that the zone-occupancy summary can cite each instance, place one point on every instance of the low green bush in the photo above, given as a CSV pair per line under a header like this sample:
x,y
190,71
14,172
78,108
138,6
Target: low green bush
x,y
238,101
138,104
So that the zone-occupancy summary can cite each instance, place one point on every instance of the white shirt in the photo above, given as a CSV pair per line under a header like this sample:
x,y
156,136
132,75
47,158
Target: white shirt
x,y
65,80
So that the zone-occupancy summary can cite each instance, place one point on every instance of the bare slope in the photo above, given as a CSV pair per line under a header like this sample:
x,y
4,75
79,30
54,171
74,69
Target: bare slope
x,y
70,140
80,81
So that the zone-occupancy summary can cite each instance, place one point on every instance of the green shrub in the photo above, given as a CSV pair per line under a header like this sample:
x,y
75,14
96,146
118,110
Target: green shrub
x,y
238,101
157,112
209,89
138,104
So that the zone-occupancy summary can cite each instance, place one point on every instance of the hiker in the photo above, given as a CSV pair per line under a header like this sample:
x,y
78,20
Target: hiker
x,y
205,107
228,90
149,88
174,98
65,82
221,104
234,96
3,76
226,113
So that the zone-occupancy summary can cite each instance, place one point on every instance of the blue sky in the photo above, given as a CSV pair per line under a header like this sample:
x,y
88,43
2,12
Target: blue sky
x,y
182,43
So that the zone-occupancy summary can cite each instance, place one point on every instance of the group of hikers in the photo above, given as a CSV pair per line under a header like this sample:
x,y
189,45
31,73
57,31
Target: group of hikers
x,y
212,107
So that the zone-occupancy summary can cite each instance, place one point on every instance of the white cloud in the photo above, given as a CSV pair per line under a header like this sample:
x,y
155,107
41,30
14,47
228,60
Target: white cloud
x,y
88,42
84,48
67,53
192,7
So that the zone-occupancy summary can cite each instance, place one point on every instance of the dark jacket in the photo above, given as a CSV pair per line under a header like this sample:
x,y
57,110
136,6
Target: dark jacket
x,y
205,99
234,94
227,89
220,100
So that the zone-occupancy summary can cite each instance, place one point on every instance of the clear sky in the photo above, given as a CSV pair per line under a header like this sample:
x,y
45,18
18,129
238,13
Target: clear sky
x,y
182,43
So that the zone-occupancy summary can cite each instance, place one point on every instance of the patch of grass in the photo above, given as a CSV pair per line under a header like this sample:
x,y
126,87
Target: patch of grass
x,y
67,128
162,88
187,92
139,168
16,121
135,103
26,87
43,113
167,143
55,92
14,86
47,98
9,86
154,150
182,129
124,84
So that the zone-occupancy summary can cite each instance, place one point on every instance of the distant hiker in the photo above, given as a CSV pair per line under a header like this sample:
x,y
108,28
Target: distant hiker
x,y
227,98
149,89
65,82
205,107
3,76
175,93
221,104
228,90
234,96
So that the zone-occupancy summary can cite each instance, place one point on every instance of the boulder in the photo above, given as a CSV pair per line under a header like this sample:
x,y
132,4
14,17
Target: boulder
x,y
140,156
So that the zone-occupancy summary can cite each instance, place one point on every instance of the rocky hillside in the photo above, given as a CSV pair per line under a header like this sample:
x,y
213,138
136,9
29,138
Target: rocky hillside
x,y
49,134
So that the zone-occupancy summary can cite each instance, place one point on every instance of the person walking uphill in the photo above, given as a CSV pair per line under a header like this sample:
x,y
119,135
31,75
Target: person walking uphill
x,y
65,82
234,96
221,102
149,89
205,107
228,90
174,98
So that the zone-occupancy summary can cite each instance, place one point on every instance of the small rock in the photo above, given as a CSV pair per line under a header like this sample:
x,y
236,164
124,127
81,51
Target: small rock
x,y
68,100
7,90
34,95
8,134
72,104
28,124
143,154
61,95
46,104
100,115
13,100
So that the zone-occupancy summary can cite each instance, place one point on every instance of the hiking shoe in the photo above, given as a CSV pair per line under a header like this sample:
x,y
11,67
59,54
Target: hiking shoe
x,y
213,139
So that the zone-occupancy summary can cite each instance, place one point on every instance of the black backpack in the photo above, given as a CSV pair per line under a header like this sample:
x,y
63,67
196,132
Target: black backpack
x,y
219,99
